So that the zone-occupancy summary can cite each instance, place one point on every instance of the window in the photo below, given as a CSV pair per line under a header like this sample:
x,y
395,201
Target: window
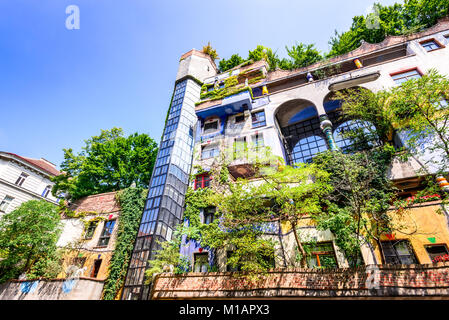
x,y
239,147
209,151
321,255
406,75
208,215
201,262
106,234
430,45
257,140
202,181
240,118
398,252
258,119
5,203
91,230
437,252
96,268
210,127
46,191
21,178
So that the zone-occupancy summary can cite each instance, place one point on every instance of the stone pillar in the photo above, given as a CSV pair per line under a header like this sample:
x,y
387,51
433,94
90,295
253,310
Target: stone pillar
x,y
326,127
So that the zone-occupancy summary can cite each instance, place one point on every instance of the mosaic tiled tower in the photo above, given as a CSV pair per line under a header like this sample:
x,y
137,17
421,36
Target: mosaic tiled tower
x,y
164,205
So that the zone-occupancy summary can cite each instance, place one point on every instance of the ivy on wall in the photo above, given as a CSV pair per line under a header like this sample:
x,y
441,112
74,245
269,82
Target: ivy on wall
x,y
132,201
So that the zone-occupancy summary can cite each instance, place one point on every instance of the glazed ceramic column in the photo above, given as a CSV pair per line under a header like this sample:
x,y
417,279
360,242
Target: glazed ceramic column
x,y
326,127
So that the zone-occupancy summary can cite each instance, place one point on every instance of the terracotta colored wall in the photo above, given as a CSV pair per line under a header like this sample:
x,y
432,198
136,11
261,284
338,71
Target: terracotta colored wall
x,y
419,280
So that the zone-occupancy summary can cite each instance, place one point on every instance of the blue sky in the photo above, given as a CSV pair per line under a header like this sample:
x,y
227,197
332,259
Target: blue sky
x,y
59,87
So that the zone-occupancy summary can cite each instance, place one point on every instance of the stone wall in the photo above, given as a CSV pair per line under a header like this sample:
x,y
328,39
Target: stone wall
x,y
371,281
57,289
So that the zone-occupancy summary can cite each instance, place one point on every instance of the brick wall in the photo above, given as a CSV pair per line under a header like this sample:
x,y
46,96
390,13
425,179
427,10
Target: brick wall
x,y
383,280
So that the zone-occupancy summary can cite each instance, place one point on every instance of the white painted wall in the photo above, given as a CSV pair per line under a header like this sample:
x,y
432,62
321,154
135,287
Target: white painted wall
x,y
31,189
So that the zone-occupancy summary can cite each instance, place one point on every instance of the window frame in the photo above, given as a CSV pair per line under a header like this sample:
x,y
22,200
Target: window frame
x,y
397,256
104,236
93,224
393,74
4,204
21,179
46,191
204,179
435,41
212,152
243,119
208,122
436,245
95,271
258,123
317,254
194,264
209,212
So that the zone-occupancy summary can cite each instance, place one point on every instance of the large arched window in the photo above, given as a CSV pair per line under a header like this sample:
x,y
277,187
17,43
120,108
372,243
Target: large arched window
x,y
345,142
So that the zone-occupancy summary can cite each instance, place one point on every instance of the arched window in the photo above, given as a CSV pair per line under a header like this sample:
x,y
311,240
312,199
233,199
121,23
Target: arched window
x,y
344,142
306,148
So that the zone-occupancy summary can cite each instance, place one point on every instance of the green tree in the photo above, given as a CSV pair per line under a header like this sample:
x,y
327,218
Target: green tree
x,y
420,108
303,55
210,51
266,53
397,19
230,63
108,162
132,202
28,237
362,193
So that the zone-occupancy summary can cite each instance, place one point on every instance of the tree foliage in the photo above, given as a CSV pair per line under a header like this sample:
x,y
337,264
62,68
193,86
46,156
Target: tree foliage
x,y
210,51
362,193
418,109
28,237
302,55
132,201
396,19
107,162
230,63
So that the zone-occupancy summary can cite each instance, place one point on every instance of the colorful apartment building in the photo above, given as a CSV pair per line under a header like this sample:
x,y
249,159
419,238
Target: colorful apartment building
x,y
294,114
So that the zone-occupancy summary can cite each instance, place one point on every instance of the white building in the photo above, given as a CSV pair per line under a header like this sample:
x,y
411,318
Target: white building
x,y
23,179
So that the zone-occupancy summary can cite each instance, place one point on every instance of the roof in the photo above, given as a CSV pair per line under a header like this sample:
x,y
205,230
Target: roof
x,y
41,164
99,203
364,49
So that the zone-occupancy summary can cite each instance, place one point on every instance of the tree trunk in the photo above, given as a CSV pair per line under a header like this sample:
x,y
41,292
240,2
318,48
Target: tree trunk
x,y
300,247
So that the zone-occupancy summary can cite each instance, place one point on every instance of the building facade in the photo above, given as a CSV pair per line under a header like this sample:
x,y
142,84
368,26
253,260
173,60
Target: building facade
x,y
294,114
89,233
23,179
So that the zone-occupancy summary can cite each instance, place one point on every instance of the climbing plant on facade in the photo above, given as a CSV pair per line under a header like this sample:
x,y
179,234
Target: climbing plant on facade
x,y
132,201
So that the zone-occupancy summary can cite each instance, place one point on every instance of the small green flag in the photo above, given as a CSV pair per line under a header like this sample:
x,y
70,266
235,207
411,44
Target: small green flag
x,y
432,240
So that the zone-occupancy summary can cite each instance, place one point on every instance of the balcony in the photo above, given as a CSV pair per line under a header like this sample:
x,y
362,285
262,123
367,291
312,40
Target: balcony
x,y
229,105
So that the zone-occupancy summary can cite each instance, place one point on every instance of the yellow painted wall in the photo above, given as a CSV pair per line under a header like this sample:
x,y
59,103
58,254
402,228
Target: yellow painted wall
x,y
417,224
89,263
